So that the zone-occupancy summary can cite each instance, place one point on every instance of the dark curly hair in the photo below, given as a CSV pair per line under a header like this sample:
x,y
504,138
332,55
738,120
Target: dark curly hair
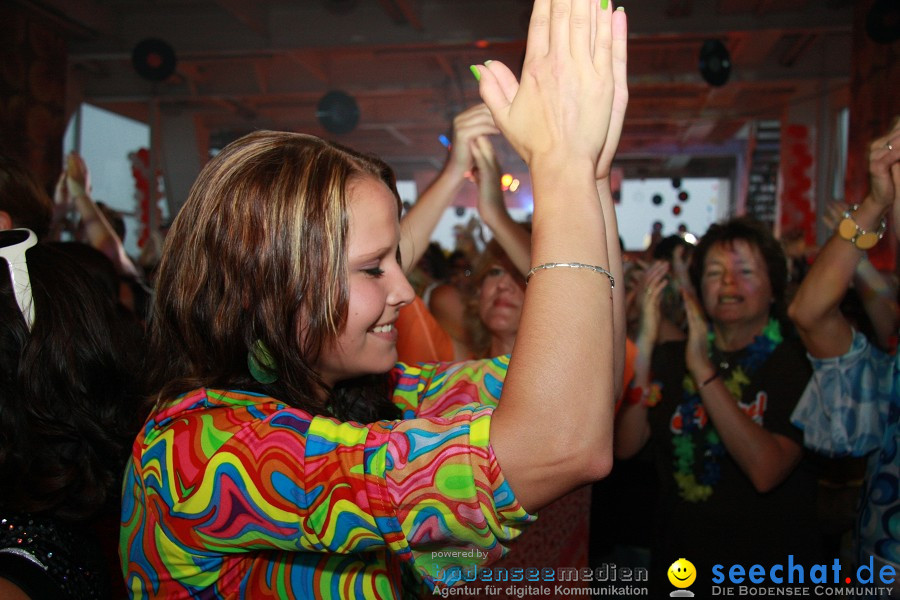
x,y
69,392
756,234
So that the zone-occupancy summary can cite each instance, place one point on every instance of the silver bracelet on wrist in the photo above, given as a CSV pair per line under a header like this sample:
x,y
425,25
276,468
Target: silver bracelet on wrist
x,y
572,265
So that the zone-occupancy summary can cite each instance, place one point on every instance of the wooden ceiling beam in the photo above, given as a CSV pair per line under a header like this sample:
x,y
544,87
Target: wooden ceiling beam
x,y
403,11
312,63
251,14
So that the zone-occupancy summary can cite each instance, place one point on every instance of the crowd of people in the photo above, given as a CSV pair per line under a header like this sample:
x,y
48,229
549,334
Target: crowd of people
x,y
306,397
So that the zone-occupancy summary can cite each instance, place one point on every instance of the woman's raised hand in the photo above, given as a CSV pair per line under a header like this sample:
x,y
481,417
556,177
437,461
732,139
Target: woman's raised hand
x,y
696,352
570,102
619,56
654,282
487,174
78,179
884,166
681,270
474,122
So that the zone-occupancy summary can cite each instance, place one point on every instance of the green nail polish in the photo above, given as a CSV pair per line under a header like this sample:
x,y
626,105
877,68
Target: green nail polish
x,y
604,4
475,72
621,9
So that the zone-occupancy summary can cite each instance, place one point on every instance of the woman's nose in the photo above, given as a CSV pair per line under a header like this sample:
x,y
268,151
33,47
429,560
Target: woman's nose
x,y
506,281
402,292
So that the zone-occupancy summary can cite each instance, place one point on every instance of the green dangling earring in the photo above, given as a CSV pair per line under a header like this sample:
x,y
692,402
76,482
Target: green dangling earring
x,y
261,363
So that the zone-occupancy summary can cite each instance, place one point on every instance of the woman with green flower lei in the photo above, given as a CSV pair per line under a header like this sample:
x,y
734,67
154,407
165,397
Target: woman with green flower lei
x,y
733,486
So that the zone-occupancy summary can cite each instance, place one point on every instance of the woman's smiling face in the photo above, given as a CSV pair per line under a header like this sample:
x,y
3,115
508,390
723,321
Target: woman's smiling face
x,y
378,286
735,284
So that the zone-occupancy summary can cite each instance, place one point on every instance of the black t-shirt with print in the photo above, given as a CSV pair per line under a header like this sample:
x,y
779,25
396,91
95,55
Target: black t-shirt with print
x,y
736,524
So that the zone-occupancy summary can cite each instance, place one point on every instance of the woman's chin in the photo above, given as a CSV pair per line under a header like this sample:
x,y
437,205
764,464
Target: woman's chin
x,y
389,360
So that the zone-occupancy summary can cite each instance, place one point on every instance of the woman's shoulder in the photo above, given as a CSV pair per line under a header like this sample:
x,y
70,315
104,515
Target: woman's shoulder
x,y
204,397
217,408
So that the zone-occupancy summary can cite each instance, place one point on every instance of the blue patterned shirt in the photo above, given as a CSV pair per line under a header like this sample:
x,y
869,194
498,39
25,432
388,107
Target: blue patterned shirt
x,y
851,407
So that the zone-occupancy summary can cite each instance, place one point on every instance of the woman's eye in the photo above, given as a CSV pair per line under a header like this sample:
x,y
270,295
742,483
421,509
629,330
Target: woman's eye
x,y
495,272
374,271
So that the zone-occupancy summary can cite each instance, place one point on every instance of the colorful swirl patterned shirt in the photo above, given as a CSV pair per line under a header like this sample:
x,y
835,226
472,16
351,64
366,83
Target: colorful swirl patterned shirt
x,y
236,495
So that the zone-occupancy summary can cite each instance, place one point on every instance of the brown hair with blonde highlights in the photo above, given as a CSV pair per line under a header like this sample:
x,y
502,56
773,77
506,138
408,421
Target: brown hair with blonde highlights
x,y
258,253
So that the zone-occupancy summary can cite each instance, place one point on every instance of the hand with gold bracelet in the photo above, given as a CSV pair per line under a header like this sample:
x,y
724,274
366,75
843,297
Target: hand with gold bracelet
x,y
839,416
815,307
863,225
850,230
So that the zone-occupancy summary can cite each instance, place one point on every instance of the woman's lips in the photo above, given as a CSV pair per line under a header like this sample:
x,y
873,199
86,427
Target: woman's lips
x,y
503,303
387,332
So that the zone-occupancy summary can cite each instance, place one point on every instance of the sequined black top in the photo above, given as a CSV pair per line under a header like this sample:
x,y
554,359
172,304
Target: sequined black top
x,y
48,558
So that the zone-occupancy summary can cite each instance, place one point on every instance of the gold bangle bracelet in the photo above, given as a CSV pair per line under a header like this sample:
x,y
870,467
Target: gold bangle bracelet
x,y
850,230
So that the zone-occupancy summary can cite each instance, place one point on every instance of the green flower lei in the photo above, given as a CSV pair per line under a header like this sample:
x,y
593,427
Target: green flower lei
x,y
684,447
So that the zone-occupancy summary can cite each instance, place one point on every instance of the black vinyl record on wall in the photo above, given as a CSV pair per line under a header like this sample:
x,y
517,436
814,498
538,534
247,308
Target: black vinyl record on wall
x,y
883,21
153,59
338,112
715,62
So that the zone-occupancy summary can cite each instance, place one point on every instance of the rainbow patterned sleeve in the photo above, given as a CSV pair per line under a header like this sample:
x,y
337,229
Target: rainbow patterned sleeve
x,y
233,495
423,390
450,405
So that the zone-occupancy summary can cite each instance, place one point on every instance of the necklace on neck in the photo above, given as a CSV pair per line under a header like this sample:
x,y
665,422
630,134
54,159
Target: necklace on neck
x,y
724,365
695,429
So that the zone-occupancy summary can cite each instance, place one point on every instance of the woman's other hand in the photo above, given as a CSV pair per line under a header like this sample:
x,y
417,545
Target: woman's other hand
x,y
654,282
474,122
491,205
696,353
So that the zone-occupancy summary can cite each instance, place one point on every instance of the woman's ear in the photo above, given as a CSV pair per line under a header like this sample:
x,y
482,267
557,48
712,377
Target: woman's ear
x,y
5,220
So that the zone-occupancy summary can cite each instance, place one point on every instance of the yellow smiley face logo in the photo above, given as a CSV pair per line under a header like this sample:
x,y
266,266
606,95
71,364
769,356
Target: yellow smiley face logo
x,y
682,573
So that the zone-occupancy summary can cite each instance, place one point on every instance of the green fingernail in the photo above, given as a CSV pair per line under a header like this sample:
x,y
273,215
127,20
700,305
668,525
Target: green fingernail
x,y
475,72
621,8
604,4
